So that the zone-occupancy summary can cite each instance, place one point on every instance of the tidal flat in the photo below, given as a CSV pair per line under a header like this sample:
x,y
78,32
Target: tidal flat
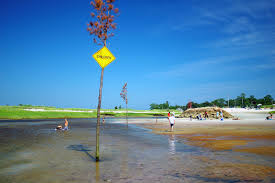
x,y
143,151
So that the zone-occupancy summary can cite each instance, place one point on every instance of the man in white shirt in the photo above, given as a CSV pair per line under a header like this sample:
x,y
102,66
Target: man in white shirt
x,y
172,121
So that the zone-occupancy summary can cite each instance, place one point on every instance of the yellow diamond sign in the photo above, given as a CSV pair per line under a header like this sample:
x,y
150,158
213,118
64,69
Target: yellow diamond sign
x,y
104,57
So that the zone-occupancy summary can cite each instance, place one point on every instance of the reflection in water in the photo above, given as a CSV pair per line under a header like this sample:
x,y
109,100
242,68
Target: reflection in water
x,y
172,146
124,163
97,172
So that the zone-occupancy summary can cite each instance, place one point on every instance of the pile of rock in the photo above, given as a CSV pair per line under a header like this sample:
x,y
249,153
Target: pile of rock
x,y
211,111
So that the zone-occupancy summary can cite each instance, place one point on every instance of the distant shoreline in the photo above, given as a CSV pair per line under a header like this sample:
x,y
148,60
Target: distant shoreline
x,y
52,119
33,112
39,112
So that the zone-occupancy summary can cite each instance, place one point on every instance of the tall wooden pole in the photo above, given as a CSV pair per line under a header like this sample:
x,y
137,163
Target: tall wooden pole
x,y
98,115
127,112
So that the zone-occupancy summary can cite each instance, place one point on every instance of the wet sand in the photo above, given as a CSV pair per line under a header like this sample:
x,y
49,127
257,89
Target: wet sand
x,y
257,137
145,151
252,135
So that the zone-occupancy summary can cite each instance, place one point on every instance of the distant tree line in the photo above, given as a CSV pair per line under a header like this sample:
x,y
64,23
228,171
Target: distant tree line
x,y
117,107
166,105
239,101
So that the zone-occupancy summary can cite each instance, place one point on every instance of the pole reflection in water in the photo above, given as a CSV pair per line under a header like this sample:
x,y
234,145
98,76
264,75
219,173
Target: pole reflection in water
x,y
172,146
97,172
124,164
124,151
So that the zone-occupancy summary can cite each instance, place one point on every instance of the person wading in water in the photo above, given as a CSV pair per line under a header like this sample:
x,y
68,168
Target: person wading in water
x,y
66,124
172,121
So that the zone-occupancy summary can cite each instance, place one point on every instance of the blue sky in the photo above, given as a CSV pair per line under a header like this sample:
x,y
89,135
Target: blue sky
x,y
166,50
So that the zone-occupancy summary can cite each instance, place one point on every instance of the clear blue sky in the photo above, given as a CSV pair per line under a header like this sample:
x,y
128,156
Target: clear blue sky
x,y
166,50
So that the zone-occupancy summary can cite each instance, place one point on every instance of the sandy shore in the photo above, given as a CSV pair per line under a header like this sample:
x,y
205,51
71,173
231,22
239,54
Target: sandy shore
x,y
251,134
243,110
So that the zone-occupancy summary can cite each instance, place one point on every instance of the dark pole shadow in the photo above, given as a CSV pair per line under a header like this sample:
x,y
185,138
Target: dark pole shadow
x,y
82,148
85,149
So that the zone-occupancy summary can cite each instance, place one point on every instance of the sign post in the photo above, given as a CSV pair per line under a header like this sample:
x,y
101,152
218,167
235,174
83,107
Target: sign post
x,y
103,57
123,95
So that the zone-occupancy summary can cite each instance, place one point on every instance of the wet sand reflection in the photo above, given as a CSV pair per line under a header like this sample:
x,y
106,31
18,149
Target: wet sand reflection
x,y
172,145
97,172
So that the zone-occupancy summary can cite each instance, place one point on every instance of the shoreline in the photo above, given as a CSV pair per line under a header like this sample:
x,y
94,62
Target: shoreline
x,y
92,111
22,113
19,112
106,117
247,136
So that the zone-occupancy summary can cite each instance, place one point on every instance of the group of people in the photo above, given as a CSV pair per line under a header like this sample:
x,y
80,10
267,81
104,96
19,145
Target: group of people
x,y
219,115
199,117
59,127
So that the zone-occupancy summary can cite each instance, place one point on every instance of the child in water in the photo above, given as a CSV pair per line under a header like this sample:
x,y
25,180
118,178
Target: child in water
x,y
172,121
66,124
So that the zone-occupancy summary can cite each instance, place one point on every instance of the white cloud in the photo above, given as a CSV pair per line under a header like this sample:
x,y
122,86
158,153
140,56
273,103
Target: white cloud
x,y
239,25
212,90
211,66
266,66
245,30
232,16
241,40
255,9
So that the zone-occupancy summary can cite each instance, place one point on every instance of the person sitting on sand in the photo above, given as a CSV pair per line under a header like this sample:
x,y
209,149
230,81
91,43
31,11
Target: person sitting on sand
x,y
198,118
205,115
172,121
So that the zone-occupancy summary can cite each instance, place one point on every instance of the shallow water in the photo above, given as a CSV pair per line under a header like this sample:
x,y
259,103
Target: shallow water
x,y
32,151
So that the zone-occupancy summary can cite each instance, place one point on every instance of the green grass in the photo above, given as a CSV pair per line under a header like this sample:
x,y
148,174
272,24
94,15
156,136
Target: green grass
x,y
18,112
112,114
153,111
44,107
272,112
267,106
21,114
82,109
